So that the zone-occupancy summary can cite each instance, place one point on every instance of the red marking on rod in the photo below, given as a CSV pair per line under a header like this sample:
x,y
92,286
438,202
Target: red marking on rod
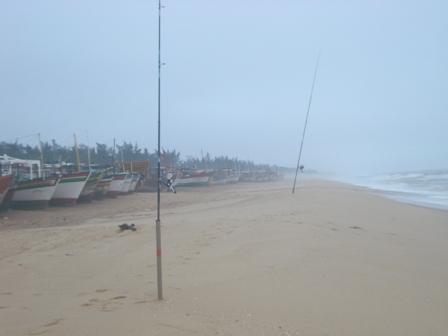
x,y
159,253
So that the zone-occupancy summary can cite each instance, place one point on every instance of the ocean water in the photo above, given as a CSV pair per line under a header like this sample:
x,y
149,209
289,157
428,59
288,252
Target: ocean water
x,y
424,188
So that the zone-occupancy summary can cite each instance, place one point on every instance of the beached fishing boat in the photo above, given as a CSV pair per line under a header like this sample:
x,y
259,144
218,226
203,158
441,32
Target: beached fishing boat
x,y
233,177
69,189
190,178
87,192
219,178
139,171
261,176
116,184
274,176
134,181
126,185
101,189
247,177
33,189
7,187
34,194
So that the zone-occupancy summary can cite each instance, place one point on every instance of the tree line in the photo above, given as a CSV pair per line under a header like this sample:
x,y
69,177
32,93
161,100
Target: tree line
x,y
53,153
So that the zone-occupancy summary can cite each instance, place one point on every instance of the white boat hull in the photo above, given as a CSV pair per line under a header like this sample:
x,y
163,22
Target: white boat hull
x,y
34,194
116,185
69,189
126,185
193,181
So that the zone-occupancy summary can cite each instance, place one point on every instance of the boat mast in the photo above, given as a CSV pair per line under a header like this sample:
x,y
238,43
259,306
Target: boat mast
x,y
88,149
113,159
77,154
41,173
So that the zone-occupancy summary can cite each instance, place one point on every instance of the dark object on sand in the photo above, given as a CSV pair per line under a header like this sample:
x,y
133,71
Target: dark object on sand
x,y
127,227
169,185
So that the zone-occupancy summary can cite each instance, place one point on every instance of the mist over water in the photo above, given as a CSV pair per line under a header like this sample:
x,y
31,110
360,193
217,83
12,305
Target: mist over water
x,y
236,79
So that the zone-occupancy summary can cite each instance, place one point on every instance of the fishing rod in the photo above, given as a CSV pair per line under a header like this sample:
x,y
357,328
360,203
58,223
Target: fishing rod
x,y
158,226
306,122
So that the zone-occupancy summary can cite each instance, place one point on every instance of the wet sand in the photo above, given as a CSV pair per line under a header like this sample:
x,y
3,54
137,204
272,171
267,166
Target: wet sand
x,y
248,259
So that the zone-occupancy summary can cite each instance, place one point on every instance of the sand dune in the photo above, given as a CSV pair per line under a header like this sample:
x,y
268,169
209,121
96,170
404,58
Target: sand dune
x,y
249,259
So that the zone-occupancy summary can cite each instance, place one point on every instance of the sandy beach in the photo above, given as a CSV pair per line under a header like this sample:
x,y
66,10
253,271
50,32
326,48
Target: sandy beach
x,y
247,259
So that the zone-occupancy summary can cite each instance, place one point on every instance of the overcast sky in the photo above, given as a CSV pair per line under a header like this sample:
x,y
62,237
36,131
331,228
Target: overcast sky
x,y
237,78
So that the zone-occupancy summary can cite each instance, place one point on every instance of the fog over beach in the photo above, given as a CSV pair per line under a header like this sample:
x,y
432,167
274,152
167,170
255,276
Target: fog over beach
x,y
359,248
236,79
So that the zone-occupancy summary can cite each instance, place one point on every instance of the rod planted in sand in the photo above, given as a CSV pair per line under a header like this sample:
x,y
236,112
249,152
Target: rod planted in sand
x,y
306,121
158,229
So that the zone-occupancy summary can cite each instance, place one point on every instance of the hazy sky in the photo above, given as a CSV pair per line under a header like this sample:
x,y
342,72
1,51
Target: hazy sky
x,y
237,78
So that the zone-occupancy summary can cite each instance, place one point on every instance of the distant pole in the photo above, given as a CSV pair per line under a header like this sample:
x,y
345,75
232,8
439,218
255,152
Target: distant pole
x,y
42,167
88,149
77,154
158,230
306,121
113,159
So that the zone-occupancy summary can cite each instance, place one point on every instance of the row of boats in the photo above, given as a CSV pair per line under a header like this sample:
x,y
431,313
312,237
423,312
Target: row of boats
x,y
199,178
188,177
25,184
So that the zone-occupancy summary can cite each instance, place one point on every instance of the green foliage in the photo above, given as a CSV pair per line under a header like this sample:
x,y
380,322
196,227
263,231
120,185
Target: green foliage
x,y
102,154
222,162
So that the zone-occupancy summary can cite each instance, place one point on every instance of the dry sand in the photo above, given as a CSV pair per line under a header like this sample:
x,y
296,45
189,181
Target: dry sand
x,y
249,259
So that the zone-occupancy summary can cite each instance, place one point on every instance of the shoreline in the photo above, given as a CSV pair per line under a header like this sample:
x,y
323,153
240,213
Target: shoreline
x,y
410,198
395,193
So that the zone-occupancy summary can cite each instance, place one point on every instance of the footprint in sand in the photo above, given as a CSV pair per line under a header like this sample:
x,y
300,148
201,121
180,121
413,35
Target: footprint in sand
x,y
44,329
52,323
108,305
97,291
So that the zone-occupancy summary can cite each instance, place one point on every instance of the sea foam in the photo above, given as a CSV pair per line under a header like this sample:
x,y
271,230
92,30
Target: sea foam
x,y
424,188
